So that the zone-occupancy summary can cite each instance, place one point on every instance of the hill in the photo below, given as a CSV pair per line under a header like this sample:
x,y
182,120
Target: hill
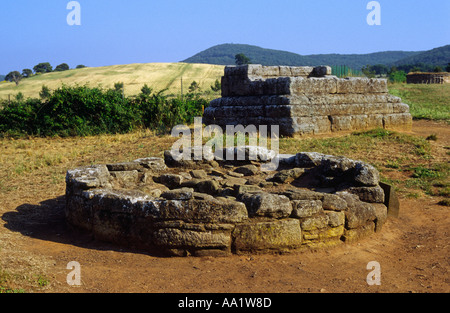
x,y
156,75
224,55
437,57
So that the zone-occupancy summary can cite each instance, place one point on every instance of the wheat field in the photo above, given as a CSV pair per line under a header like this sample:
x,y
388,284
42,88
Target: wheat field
x,y
158,76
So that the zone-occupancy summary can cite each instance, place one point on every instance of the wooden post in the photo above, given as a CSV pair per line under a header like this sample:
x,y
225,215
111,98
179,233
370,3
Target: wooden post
x,y
181,87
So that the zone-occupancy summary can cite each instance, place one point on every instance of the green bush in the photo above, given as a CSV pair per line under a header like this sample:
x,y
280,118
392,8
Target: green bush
x,y
82,111
397,77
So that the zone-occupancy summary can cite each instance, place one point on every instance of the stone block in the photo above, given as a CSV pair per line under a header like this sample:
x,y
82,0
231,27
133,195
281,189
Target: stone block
x,y
191,239
267,205
313,85
273,235
355,234
335,219
306,208
361,85
401,121
368,194
391,200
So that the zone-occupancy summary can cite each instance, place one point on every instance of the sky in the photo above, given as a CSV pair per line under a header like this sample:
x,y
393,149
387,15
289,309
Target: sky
x,y
146,31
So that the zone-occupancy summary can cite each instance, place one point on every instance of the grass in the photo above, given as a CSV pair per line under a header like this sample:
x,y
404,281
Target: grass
x,y
156,75
430,102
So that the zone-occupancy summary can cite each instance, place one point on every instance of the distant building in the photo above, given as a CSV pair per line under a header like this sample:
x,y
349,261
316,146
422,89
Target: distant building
x,y
428,78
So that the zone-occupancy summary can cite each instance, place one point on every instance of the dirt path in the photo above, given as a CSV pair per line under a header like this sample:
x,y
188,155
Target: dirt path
x,y
412,250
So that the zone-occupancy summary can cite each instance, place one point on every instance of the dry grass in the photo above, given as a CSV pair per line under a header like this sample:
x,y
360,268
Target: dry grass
x,y
158,76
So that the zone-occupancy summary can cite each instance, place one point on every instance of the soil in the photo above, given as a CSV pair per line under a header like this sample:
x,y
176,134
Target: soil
x,y
412,250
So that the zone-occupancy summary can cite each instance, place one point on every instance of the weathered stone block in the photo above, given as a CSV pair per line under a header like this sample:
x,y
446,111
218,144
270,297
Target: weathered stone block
x,y
335,219
368,194
85,178
275,235
318,221
267,205
190,239
391,200
352,235
361,85
305,208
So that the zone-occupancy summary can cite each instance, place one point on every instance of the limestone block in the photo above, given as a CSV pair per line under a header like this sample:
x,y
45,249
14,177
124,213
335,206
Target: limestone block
x,y
401,121
368,194
304,71
355,234
275,235
285,176
305,208
366,174
400,108
358,213
126,177
381,213
196,211
318,221
178,194
335,219
361,85
333,202
124,166
88,177
152,163
170,180
191,239
267,205
312,125
313,85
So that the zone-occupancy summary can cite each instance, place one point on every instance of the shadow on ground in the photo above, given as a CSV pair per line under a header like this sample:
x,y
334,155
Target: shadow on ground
x,y
46,221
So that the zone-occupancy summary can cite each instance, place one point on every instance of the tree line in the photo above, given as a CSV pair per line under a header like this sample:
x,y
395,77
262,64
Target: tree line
x,y
41,68
398,73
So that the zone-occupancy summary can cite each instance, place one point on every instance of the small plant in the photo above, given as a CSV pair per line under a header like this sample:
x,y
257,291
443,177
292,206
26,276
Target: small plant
x,y
445,202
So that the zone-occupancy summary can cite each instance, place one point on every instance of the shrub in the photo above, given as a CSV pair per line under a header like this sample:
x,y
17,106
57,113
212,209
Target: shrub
x,y
82,111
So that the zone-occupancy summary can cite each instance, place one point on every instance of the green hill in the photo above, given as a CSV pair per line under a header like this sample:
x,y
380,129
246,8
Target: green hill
x,y
224,55
437,57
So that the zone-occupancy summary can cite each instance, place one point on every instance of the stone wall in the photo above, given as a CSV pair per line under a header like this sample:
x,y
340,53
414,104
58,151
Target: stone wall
x,y
305,101
221,207
428,78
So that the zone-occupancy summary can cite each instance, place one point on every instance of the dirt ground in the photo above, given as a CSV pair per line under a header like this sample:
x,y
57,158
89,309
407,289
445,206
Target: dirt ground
x,y
412,250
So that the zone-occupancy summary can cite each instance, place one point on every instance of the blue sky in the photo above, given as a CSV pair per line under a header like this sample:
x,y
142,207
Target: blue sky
x,y
145,31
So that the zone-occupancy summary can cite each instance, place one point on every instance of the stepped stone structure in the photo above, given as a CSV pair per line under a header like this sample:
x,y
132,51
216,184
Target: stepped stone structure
x,y
218,207
305,101
428,78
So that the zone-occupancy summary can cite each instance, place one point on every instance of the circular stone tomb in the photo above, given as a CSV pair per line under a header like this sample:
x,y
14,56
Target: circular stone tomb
x,y
218,207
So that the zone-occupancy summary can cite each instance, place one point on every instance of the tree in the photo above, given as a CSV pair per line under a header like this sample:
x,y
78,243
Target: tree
x,y
448,67
43,68
26,72
62,67
437,69
118,86
45,93
368,71
194,87
14,76
146,90
217,86
80,66
241,59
